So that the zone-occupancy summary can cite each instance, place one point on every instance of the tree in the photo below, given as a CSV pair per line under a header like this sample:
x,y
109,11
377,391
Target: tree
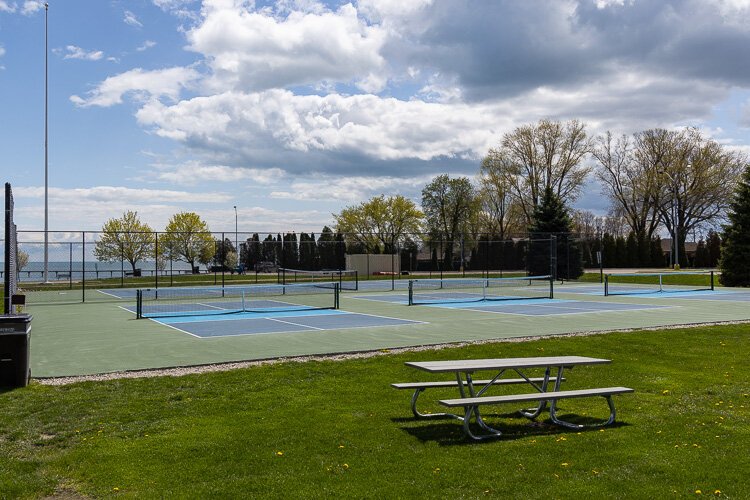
x,y
735,249
628,172
221,257
126,238
500,214
551,218
187,238
697,183
22,260
545,155
449,205
379,223
250,253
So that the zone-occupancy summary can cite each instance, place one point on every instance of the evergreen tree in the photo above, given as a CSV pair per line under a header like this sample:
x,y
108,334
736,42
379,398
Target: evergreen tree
x,y
621,252
701,254
735,249
551,218
609,251
252,252
327,249
631,250
658,259
713,244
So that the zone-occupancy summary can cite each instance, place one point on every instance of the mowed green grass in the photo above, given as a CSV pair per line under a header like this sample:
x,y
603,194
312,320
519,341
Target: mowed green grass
x,y
337,429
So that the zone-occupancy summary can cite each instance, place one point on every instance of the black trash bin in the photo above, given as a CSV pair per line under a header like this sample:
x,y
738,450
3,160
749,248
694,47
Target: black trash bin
x,y
15,337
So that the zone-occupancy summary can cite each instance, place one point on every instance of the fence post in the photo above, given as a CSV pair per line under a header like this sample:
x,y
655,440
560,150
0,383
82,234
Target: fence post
x,y
156,260
553,256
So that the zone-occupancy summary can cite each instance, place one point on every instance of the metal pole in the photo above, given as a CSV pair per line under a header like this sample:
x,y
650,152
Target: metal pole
x,y
676,236
46,155
236,241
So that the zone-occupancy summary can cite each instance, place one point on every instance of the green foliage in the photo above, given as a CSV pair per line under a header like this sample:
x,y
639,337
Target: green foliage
x,y
126,238
187,238
449,206
735,250
551,218
379,223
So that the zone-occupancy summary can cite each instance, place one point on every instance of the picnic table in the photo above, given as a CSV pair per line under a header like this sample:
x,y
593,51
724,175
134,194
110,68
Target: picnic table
x,y
472,392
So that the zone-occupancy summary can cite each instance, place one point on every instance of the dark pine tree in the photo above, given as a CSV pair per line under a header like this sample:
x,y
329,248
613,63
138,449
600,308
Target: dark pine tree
x,y
735,249
631,250
551,218
713,244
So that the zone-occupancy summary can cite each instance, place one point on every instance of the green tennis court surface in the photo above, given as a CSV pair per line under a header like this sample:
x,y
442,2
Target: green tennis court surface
x,y
105,336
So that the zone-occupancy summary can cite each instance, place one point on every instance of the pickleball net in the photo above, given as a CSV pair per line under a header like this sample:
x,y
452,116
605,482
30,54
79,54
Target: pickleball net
x,y
347,279
644,283
208,301
456,290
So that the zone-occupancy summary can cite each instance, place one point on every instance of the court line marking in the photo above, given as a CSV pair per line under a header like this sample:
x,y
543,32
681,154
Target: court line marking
x,y
111,294
580,310
296,324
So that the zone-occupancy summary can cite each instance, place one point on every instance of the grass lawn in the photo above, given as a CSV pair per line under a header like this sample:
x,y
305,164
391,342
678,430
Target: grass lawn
x,y
325,429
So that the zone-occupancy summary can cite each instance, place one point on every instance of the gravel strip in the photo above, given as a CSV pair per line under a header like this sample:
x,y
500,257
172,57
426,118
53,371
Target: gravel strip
x,y
222,367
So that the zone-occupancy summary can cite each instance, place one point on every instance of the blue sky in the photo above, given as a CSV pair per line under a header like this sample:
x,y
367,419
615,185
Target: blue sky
x,y
294,109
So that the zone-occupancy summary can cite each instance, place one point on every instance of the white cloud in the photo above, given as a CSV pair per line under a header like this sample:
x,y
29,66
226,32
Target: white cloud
x,y
2,51
74,52
350,189
146,45
379,128
193,173
6,7
31,6
140,83
255,50
132,20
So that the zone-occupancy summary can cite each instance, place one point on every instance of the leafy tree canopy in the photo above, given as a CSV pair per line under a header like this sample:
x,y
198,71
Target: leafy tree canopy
x,y
126,238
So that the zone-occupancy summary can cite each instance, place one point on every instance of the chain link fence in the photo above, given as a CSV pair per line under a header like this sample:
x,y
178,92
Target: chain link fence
x,y
85,266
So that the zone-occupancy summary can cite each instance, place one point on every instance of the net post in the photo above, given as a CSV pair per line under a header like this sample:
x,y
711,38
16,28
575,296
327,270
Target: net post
x,y
661,287
336,295
139,304
712,280
606,285
552,256
551,288
411,292
356,280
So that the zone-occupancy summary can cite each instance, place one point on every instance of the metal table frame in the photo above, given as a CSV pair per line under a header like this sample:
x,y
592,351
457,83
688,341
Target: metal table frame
x,y
464,370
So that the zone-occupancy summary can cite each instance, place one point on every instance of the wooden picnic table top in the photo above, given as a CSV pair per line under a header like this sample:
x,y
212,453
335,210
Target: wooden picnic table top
x,y
471,365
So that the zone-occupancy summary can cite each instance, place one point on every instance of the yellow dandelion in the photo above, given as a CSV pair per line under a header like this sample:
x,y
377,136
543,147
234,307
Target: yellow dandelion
x,y
698,492
595,471
115,489
279,453
717,492
341,446
564,464
345,466
665,391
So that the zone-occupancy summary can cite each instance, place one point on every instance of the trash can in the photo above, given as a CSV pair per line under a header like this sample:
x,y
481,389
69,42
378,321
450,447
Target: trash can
x,y
15,337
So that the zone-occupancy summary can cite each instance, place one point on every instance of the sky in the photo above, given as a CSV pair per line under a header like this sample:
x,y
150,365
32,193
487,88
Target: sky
x,y
291,110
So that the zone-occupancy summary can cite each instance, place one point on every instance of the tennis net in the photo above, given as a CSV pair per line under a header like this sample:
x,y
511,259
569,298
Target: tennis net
x,y
640,283
347,279
184,301
452,290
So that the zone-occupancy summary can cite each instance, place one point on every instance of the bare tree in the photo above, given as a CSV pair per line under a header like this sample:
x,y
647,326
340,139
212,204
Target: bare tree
x,y
696,183
535,157
500,215
628,173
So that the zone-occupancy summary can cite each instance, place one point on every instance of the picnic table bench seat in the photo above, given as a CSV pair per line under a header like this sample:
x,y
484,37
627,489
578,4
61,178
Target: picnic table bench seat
x,y
419,387
470,404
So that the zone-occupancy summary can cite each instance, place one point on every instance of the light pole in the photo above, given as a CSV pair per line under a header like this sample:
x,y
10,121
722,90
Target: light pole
x,y
46,155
